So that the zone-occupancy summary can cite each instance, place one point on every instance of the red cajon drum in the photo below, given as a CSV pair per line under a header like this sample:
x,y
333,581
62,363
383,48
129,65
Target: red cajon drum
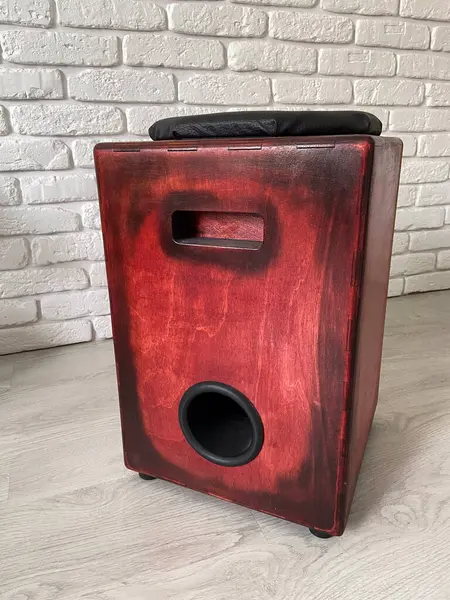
x,y
248,280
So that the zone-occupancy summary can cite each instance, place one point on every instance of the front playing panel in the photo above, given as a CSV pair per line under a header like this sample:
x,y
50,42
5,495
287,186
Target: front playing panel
x,y
234,279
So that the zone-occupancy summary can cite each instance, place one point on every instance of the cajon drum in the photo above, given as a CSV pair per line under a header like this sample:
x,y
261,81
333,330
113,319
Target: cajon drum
x,y
248,261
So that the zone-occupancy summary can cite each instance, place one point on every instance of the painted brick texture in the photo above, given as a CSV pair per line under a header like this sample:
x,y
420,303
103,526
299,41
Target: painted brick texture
x,y
76,72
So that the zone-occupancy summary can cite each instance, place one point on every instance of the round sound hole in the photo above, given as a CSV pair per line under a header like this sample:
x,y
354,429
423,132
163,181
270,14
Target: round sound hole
x,y
221,424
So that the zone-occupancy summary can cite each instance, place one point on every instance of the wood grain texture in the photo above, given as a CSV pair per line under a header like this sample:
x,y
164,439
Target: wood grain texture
x,y
181,312
372,305
76,525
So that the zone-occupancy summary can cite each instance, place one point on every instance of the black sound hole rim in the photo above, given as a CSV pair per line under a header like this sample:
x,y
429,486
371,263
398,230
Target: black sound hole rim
x,y
213,387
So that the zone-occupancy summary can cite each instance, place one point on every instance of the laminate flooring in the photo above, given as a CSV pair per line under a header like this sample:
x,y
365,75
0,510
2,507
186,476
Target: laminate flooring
x,y
76,525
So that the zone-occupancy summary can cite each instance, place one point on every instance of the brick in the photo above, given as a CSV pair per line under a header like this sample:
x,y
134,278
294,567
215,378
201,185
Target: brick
x,y
438,10
362,7
312,91
32,155
13,253
411,264
392,34
44,335
97,274
400,243
4,125
225,89
27,282
59,188
140,118
295,3
70,305
31,84
396,287
406,195
17,312
427,282
430,240
172,51
83,149
59,48
443,260
83,152
438,94
424,171
389,92
418,119
90,215
440,38
409,219
447,215
24,220
55,119
434,144
9,191
424,66
138,85
409,144
358,62
221,20
112,14
271,57
433,195
86,245
102,327
33,13
306,27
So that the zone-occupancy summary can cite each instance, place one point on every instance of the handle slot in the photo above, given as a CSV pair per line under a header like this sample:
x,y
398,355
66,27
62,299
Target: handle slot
x,y
218,229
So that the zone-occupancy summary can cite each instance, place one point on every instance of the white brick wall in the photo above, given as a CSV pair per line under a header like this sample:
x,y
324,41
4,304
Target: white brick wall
x,y
119,86
271,57
51,119
31,84
312,91
225,89
76,72
58,48
222,19
314,27
440,38
148,50
356,61
36,13
112,14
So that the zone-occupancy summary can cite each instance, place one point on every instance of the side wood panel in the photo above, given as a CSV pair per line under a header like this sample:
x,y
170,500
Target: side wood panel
x,y
275,323
372,310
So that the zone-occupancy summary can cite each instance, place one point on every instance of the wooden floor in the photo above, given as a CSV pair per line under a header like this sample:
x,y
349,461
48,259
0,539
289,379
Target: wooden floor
x,y
75,525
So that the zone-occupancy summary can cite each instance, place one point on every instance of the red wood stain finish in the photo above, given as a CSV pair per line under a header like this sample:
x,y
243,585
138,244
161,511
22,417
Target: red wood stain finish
x,y
372,309
281,323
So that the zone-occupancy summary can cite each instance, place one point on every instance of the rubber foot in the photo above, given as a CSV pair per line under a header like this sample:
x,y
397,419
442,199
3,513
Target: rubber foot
x,y
146,477
320,534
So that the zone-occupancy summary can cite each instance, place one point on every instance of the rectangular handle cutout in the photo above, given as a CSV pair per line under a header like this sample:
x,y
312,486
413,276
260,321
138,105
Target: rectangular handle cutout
x,y
218,229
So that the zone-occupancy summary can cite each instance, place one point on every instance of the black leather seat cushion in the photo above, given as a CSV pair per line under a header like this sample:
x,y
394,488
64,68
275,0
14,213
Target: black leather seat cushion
x,y
266,124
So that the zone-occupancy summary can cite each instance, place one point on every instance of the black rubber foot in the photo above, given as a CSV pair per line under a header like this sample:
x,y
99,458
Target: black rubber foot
x,y
146,477
320,534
